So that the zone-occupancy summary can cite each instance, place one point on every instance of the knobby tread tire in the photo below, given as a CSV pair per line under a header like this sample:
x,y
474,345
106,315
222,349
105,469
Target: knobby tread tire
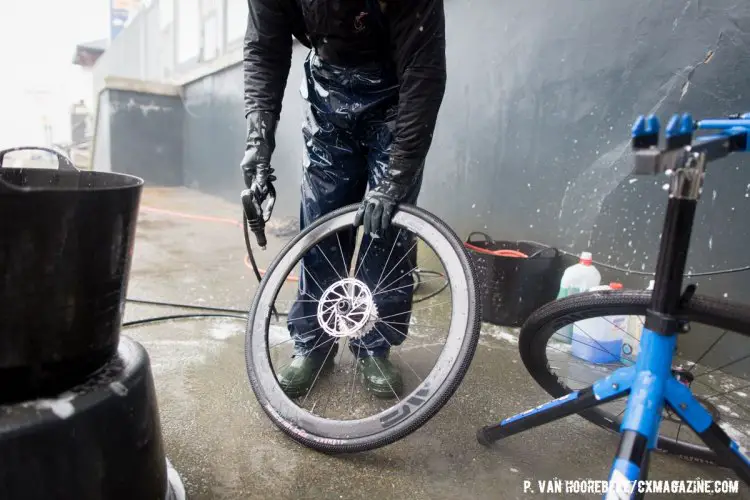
x,y
428,409
540,326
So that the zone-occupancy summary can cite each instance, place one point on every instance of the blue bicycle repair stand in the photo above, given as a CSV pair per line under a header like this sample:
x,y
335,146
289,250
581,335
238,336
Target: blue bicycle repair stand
x,y
651,383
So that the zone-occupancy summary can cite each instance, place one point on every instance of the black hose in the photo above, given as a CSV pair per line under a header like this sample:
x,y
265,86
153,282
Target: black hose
x,y
249,248
436,292
181,316
185,306
250,256
646,273
417,280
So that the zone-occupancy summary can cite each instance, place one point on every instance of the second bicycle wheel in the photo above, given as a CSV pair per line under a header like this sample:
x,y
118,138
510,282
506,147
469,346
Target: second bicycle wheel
x,y
546,346
361,291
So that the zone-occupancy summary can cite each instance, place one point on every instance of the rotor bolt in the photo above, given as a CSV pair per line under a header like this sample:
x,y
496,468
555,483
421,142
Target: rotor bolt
x,y
615,386
683,406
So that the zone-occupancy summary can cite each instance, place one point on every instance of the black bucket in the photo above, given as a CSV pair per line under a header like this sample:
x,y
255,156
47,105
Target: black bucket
x,y
66,239
512,285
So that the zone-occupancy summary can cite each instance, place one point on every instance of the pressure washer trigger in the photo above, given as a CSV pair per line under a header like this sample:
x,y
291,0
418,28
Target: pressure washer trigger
x,y
271,198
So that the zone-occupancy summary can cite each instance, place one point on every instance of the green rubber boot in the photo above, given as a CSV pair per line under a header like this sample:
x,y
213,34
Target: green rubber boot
x,y
380,377
297,378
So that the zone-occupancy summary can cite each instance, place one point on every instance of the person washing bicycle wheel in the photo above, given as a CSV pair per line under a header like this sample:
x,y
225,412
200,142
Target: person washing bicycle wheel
x,y
374,82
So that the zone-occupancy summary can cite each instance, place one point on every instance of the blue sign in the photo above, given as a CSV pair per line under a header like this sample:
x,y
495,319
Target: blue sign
x,y
117,21
119,15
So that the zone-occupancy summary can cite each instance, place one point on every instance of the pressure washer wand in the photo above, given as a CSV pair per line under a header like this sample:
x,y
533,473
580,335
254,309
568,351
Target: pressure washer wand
x,y
254,216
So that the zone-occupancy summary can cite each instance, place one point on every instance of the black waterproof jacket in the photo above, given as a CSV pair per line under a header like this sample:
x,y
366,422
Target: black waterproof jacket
x,y
409,34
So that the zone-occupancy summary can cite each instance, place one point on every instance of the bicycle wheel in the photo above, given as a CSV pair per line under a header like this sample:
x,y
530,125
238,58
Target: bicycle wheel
x,y
543,357
341,428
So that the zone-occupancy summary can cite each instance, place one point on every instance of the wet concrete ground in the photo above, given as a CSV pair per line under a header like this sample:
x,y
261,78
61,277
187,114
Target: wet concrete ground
x,y
225,447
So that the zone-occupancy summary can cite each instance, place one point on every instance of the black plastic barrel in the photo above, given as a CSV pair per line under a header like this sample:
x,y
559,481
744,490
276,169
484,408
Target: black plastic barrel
x,y
511,286
100,440
66,239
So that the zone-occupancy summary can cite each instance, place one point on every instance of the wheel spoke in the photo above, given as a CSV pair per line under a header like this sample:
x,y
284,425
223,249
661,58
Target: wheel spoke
x,y
354,378
724,396
388,259
414,310
295,300
398,278
362,260
405,336
328,260
390,346
415,325
727,392
343,257
312,386
307,353
386,381
600,348
723,366
309,273
700,358
396,266
316,314
407,286
292,338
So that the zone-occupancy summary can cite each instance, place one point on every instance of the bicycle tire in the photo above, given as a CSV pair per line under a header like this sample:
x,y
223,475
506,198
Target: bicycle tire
x,y
542,324
411,411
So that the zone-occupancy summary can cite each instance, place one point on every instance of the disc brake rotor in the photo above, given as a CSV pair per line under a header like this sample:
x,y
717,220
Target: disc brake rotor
x,y
346,309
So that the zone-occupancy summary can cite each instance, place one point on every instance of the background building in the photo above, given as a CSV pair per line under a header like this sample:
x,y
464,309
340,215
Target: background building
x,y
533,136
82,112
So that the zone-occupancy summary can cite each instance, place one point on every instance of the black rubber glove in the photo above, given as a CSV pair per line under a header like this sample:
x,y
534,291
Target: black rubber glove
x,y
259,178
260,143
376,211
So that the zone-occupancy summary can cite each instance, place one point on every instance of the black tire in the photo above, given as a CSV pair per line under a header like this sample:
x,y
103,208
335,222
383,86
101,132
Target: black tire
x,y
545,321
413,410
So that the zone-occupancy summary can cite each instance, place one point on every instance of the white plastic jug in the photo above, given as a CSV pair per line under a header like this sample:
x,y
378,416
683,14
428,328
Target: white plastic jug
x,y
631,343
576,279
599,340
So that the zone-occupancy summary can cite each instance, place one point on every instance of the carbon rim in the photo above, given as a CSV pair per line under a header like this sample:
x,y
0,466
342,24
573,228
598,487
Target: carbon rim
x,y
412,409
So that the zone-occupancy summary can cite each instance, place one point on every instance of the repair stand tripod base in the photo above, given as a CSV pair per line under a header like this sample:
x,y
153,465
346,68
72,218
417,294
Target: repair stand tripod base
x,y
617,385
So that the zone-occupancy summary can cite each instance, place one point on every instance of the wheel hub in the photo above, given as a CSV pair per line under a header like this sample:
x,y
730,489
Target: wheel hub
x,y
346,309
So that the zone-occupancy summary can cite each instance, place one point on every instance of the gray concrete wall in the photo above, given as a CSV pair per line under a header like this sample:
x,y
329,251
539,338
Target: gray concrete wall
x,y
214,112
142,135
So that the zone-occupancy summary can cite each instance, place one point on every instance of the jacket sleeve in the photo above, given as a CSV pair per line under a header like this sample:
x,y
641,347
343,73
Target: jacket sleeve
x,y
417,30
267,56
